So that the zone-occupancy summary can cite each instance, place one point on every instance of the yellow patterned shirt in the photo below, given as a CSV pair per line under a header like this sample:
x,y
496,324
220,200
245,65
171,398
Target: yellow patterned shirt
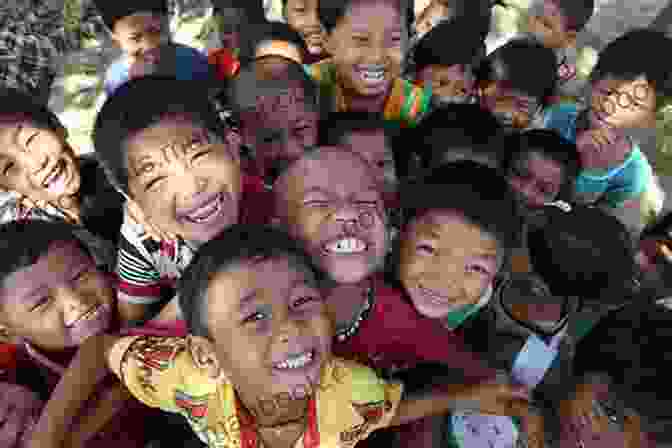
x,y
349,404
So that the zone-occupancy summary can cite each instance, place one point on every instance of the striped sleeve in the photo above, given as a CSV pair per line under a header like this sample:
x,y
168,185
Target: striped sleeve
x,y
139,280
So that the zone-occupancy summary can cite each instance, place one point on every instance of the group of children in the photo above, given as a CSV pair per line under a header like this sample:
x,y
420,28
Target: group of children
x,y
332,232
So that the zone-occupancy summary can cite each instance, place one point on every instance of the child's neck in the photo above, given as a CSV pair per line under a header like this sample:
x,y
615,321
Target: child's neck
x,y
353,102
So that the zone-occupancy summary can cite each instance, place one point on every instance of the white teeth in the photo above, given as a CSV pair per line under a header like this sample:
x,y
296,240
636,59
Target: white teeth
x,y
207,211
373,73
296,362
347,246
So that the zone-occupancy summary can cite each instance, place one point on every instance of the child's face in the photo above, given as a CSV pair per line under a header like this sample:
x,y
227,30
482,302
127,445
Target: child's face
x,y
536,179
548,24
446,263
138,33
59,301
332,203
372,146
511,107
623,104
185,179
35,162
587,418
290,126
261,315
451,84
302,16
366,47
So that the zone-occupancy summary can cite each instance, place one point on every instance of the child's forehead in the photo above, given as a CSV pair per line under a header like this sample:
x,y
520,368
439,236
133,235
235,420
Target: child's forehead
x,y
323,168
441,223
165,132
359,14
137,20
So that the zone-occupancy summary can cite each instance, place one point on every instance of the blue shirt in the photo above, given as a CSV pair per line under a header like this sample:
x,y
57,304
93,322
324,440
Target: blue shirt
x,y
191,65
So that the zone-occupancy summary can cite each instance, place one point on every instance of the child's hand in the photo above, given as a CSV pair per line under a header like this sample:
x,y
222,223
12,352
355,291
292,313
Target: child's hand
x,y
19,411
153,231
497,397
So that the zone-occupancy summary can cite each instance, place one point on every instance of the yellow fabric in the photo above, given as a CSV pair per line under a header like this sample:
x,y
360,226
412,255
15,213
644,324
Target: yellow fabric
x,y
351,400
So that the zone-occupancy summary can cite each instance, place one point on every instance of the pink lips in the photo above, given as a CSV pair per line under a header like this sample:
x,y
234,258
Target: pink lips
x,y
205,200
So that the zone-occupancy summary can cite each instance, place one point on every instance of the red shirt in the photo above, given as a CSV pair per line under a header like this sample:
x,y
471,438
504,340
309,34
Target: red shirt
x,y
394,334
225,63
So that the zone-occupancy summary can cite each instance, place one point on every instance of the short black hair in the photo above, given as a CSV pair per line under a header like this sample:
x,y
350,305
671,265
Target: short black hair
x,y
330,12
631,345
631,55
236,244
440,45
585,253
511,63
335,127
135,106
262,32
550,144
577,12
454,127
477,192
24,242
16,102
113,11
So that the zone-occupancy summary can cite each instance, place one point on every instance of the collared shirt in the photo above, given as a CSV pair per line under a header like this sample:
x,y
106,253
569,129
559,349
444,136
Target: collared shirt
x,y
349,404
32,40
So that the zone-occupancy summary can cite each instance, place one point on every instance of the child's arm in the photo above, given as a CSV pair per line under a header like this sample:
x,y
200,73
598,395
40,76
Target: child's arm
x,y
76,386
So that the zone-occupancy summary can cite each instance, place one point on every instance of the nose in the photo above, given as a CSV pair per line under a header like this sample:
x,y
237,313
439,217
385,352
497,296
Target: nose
x,y
287,328
74,304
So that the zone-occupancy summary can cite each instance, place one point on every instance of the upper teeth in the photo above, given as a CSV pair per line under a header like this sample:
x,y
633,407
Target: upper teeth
x,y
206,211
347,245
375,73
296,362
53,175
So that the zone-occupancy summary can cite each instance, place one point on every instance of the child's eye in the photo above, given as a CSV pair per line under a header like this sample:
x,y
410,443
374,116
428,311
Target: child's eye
x,y
367,203
316,203
299,10
360,40
304,300
200,155
82,275
154,182
40,304
478,269
255,317
425,249
7,168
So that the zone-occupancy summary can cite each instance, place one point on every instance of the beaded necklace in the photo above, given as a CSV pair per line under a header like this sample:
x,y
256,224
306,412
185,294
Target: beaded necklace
x,y
349,331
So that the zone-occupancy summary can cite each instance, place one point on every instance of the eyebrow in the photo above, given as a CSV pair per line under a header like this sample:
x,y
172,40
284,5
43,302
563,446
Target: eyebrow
x,y
434,234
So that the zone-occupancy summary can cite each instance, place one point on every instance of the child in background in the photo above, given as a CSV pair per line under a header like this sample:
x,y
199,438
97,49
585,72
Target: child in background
x,y
541,167
55,293
43,178
138,27
448,70
556,24
364,41
189,192
301,15
619,397
509,89
455,132
654,256
627,89
365,134
270,48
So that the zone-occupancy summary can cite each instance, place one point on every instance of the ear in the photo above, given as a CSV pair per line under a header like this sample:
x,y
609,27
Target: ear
x,y
330,43
203,355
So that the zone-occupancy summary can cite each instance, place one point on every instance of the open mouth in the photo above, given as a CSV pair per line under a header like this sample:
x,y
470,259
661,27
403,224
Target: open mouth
x,y
346,246
371,74
297,361
208,211
56,177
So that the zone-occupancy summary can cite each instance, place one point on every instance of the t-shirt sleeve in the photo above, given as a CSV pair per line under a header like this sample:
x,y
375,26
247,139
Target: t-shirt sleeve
x,y
139,280
562,118
632,182
151,368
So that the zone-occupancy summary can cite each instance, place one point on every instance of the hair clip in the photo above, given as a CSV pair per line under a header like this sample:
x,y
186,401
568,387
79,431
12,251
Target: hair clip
x,y
562,205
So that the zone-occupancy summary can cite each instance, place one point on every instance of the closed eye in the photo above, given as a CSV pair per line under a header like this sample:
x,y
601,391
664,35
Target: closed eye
x,y
476,268
200,155
7,168
40,303
306,300
154,182
425,249
316,203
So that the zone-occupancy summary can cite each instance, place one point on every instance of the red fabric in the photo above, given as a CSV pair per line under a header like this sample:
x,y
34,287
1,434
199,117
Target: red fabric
x,y
225,63
257,201
395,335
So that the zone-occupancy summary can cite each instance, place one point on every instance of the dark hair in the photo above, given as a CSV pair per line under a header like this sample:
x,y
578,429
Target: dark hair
x,y
477,192
334,128
586,253
453,127
661,228
549,144
13,102
236,244
511,63
439,46
113,11
330,12
261,32
135,106
631,345
577,13
632,55
24,242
